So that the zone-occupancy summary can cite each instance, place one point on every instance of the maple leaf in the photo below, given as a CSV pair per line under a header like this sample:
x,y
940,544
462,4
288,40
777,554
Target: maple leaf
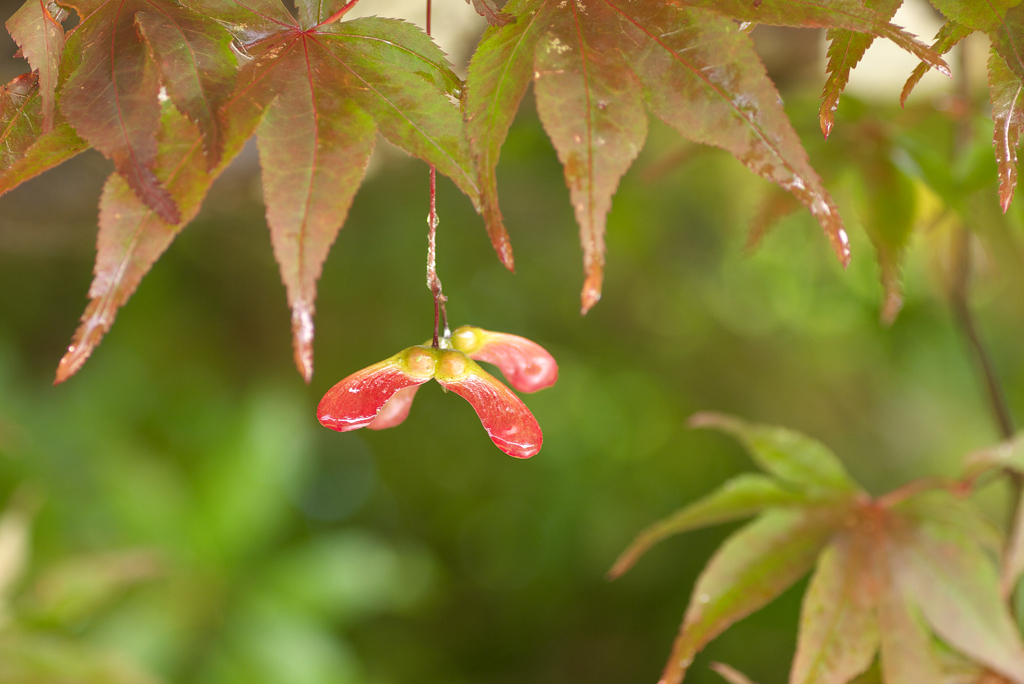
x,y
114,103
598,65
37,30
882,565
314,132
132,235
948,36
328,88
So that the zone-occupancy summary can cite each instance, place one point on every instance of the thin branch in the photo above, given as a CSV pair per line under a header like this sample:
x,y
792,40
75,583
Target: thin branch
x,y
959,301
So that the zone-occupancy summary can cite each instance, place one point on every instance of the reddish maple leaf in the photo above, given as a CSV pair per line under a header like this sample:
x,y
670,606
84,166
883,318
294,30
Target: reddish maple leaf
x,y
598,65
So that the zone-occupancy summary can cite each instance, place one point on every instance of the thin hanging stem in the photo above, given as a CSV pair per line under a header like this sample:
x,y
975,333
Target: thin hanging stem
x,y
433,282
959,296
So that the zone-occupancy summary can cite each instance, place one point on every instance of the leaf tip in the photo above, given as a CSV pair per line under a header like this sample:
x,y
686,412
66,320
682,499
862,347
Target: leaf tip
x,y
302,339
591,292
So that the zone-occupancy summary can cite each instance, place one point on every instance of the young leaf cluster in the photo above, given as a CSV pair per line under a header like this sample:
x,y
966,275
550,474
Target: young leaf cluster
x,y
890,574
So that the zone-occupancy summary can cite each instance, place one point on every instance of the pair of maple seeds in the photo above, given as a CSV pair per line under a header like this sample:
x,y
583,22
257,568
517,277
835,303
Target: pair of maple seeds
x,y
380,396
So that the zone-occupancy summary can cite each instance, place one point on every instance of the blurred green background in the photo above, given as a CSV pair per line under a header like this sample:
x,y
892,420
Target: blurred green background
x,y
190,522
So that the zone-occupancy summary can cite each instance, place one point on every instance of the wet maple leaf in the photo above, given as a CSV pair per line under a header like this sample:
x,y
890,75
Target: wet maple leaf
x,y
114,104
327,90
314,132
845,49
598,65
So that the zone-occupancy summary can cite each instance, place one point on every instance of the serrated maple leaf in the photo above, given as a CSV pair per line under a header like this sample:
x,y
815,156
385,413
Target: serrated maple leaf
x,y
132,235
948,36
112,96
598,65
922,549
328,88
37,30
845,49
314,132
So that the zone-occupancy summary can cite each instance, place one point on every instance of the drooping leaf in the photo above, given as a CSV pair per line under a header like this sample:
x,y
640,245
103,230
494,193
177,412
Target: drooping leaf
x,y
888,214
499,73
1005,90
196,64
788,455
751,568
838,629
1008,39
327,91
951,33
731,674
25,151
957,589
40,36
1003,20
114,103
741,497
595,63
591,106
132,235
845,49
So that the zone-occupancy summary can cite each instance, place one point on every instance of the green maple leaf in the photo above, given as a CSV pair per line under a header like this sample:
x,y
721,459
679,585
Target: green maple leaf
x,y
315,95
599,65
890,572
